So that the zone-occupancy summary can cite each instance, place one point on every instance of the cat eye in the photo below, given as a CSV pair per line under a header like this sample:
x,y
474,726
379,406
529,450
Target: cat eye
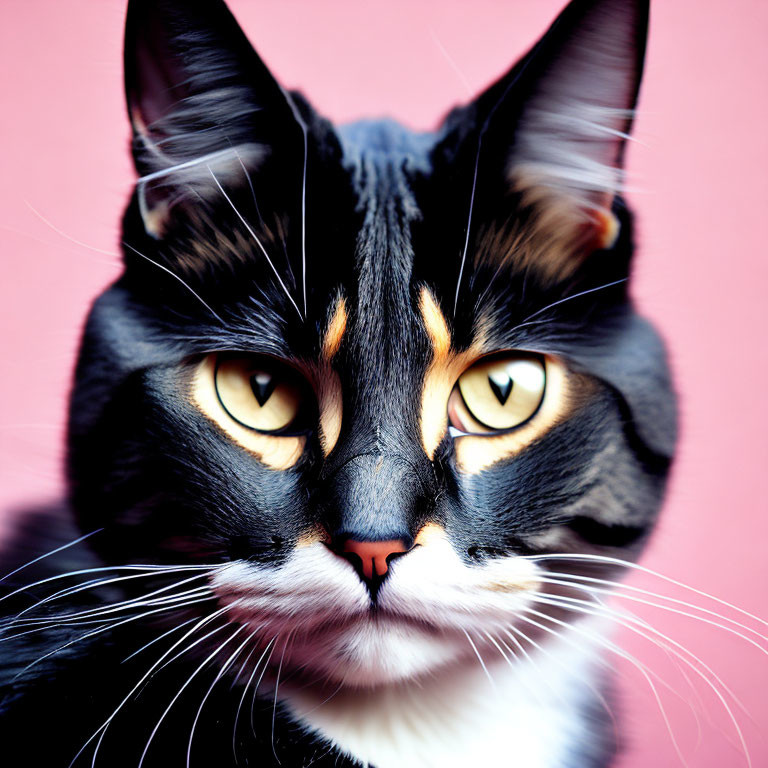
x,y
498,394
262,394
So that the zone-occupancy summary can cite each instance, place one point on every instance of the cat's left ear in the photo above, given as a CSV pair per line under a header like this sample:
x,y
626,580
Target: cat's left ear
x,y
549,136
204,108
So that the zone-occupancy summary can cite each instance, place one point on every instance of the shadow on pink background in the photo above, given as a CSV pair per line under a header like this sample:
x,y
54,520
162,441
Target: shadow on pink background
x,y
698,174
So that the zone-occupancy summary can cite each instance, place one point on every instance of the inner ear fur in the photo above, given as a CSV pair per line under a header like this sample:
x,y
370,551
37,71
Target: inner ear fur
x,y
205,110
547,140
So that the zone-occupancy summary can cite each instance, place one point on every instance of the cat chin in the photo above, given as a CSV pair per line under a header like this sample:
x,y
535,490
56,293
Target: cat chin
x,y
372,654
319,617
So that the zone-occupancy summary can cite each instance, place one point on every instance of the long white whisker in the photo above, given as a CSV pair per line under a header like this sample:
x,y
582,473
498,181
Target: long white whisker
x,y
536,693
631,588
274,704
639,666
479,657
52,552
469,224
257,241
85,616
266,650
632,623
654,639
635,566
527,320
95,632
69,237
670,609
99,583
179,601
227,664
183,688
159,638
300,120
481,134
205,620
245,662
598,695
256,689
176,277
186,650
102,569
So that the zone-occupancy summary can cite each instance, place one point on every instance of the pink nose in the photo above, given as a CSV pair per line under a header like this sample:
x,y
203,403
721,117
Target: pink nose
x,y
374,554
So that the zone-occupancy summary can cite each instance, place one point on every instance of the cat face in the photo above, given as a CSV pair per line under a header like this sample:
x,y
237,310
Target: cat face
x,y
380,377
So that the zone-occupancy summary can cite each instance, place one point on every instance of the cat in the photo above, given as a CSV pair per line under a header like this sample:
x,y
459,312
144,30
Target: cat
x,y
362,415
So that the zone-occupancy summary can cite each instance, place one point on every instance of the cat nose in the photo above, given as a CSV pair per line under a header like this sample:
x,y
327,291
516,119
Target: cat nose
x,y
371,558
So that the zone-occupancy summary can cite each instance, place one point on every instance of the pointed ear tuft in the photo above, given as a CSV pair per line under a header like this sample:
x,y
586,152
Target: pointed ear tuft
x,y
544,144
578,88
203,107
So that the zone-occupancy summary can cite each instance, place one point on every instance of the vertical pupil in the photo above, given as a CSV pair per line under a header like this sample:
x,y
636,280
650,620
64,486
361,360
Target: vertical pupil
x,y
263,385
501,385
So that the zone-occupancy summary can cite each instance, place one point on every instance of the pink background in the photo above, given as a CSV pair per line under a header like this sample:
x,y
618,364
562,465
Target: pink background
x,y
699,173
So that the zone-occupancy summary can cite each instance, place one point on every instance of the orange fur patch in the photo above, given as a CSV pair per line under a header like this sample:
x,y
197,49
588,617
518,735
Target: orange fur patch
x,y
335,331
444,369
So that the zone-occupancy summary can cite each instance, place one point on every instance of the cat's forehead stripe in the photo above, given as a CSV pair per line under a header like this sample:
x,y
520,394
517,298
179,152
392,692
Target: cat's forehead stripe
x,y
444,368
434,323
335,330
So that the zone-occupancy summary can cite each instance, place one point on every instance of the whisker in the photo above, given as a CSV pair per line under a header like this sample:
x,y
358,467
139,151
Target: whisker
x,y
202,622
159,638
256,689
486,123
83,616
598,695
298,118
469,224
635,566
436,40
257,241
654,638
95,632
631,588
69,237
52,552
183,687
535,692
479,657
99,583
274,706
176,277
637,664
670,609
102,569
227,664
631,623
527,320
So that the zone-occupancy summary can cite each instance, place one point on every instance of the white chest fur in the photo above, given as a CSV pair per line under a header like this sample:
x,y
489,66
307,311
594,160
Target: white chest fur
x,y
529,717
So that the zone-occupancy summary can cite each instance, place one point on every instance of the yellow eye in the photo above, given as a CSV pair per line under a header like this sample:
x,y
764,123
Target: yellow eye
x,y
498,394
260,393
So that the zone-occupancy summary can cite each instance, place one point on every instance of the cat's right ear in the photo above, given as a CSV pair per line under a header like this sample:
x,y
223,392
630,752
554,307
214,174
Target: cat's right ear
x,y
204,109
542,149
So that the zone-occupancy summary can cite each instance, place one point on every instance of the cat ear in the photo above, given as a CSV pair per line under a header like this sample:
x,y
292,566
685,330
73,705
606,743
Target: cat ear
x,y
204,108
557,124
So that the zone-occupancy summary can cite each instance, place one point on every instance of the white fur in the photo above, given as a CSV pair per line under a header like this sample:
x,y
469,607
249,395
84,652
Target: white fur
x,y
528,717
402,686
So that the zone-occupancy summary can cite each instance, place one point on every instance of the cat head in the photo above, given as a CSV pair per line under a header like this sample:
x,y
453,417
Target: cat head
x,y
380,377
